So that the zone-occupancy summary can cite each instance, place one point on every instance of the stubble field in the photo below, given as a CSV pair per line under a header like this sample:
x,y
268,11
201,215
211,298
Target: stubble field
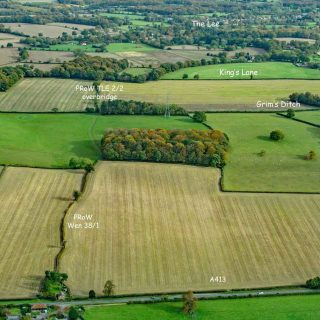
x,y
51,31
167,228
32,205
44,94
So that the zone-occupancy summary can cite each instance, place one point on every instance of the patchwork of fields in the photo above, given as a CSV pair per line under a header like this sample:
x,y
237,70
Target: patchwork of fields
x,y
32,206
282,168
167,228
39,95
176,54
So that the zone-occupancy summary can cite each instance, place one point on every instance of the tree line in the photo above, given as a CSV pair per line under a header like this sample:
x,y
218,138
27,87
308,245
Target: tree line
x,y
306,98
196,147
109,107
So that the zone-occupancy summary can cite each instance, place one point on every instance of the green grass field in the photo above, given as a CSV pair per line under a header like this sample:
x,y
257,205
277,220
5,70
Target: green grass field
x,y
283,167
310,116
51,140
124,47
271,308
72,47
137,71
122,15
266,70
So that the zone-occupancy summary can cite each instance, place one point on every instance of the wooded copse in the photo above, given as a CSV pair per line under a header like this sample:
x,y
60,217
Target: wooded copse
x,y
196,147
9,76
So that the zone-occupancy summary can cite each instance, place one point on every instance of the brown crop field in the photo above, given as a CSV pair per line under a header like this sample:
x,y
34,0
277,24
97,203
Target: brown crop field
x,y
6,38
51,31
32,205
74,26
40,95
288,39
165,228
49,56
8,56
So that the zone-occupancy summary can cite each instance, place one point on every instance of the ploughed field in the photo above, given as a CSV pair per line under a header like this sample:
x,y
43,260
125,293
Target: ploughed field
x,y
33,202
42,95
165,228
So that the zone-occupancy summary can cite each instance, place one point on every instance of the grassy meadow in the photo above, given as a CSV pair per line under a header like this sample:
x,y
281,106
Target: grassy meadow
x,y
310,116
41,95
50,140
124,47
283,167
277,308
122,15
167,228
266,70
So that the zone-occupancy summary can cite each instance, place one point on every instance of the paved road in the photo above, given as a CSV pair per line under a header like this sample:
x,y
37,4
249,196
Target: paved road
x,y
172,297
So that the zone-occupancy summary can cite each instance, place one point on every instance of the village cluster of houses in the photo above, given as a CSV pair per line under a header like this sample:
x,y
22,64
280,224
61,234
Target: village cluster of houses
x,y
39,311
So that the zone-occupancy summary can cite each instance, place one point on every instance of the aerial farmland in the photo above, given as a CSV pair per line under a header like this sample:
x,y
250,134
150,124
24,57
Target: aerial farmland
x,y
156,154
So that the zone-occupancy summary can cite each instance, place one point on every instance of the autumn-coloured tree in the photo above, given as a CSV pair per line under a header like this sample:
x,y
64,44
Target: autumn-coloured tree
x,y
189,303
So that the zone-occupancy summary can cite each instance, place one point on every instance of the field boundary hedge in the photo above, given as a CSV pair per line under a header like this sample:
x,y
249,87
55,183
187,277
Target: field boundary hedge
x,y
255,111
300,120
264,79
62,225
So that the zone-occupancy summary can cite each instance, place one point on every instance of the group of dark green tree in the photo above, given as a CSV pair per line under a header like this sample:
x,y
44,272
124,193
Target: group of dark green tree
x,y
306,98
9,76
132,107
196,147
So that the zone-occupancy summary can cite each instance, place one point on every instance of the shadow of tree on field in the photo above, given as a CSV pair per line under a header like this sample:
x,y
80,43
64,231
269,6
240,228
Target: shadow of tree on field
x,y
86,148
264,138
301,156
31,282
315,132
169,308
67,199
186,120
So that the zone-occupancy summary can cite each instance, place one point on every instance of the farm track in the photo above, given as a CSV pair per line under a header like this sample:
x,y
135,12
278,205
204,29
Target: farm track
x,y
167,228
